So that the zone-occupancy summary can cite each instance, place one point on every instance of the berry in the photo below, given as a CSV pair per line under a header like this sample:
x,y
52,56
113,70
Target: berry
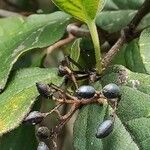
x,y
34,117
43,133
42,146
43,89
111,91
85,91
104,129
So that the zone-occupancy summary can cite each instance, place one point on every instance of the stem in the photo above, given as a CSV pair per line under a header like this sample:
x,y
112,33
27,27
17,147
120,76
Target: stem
x,y
95,39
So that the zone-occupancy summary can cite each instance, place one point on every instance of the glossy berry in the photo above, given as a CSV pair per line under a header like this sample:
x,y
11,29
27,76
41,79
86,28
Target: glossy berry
x,y
111,91
43,89
42,146
85,91
43,133
104,129
34,117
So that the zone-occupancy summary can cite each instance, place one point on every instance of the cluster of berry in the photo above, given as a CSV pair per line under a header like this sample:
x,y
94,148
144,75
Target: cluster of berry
x,y
112,93
85,94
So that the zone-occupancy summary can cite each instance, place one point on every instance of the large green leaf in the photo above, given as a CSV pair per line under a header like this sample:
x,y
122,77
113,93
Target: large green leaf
x,y
144,44
75,51
133,57
130,56
84,10
113,21
18,35
117,4
16,101
112,18
85,127
22,137
131,129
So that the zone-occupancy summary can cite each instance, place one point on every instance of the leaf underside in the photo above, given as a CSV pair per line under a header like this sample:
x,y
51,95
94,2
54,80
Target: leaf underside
x,y
84,10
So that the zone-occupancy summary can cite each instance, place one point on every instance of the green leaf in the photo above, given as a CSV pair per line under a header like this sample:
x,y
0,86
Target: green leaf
x,y
130,57
20,95
119,139
75,51
121,75
131,128
19,35
86,54
133,111
133,57
86,125
84,10
117,4
144,44
22,138
120,57
33,58
112,18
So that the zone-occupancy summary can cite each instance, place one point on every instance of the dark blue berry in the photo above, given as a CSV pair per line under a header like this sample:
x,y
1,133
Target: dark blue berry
x,y
42,146
43,133
104,129
43,89
111,91
85,91
34,117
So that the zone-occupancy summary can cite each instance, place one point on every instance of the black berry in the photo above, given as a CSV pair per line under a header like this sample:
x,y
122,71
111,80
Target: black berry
x,y
43,89
34,117
42,146
111,91
43,133
104,129
85,91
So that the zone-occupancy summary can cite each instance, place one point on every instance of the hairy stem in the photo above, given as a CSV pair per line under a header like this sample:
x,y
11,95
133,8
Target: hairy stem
x,y
95,39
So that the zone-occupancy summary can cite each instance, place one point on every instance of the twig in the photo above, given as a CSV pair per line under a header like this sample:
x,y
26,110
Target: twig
x,y
6,13
113,51
61,91
127,33
145,9
61,43
70,73
75,30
